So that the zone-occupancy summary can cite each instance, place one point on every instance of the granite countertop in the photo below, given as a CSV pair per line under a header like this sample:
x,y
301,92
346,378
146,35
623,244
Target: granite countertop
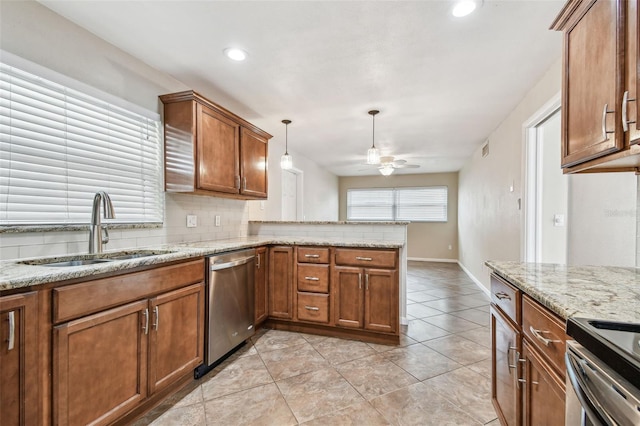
x,y
14,275
602,292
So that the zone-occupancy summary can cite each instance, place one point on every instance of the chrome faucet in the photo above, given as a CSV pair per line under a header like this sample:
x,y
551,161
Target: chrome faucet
x,y
95,230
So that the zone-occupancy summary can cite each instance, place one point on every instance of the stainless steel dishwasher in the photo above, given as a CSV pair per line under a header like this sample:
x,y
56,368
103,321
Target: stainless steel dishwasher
x,y
230,304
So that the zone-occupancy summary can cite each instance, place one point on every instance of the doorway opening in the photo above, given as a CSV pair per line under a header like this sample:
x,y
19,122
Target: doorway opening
x,y
292,195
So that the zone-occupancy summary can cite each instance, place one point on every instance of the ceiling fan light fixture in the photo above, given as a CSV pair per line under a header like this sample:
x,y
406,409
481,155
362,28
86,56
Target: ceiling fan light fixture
x,y
286,161
464,7
386,170
373,154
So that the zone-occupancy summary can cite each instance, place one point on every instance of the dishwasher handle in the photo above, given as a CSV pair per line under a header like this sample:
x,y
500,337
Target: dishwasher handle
x,y
227,265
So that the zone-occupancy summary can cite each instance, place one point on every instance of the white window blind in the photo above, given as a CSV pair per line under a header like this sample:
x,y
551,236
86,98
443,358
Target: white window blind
x,y
424,204
58,147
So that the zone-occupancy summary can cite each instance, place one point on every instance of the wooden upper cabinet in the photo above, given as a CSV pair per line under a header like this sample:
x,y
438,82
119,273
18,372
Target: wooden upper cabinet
x,y
217,152
211,151
600,65
253,166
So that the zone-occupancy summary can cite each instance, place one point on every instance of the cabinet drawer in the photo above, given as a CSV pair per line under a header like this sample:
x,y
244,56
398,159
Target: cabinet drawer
x,y
313,278
367,258
506,297
313,255
74,301
313,307
545,331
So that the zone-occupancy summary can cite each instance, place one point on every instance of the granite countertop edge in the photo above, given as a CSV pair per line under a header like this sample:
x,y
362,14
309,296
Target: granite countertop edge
x,y
15,275
602,292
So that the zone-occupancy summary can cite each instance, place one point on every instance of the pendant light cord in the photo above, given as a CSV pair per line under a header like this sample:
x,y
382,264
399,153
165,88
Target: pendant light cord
x,y
373,133
286,139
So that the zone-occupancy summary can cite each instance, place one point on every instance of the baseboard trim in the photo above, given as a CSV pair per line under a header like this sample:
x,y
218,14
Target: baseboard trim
x,y
474,279
428,259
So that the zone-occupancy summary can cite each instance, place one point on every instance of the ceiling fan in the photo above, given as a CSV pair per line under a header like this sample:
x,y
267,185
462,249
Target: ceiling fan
x,y
388,164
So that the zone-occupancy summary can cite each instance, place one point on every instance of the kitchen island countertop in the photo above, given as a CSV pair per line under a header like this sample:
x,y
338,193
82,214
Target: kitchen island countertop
x,y
604,292
15,275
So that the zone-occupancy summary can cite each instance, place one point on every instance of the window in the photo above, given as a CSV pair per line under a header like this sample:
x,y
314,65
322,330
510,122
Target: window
x,y
426,204
59,146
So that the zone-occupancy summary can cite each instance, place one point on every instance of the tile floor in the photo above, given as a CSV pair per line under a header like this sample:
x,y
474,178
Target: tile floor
x,y
438,375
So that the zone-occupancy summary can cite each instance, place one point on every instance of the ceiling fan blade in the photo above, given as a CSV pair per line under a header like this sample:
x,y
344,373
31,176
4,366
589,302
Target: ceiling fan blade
x,y
398,162
406,166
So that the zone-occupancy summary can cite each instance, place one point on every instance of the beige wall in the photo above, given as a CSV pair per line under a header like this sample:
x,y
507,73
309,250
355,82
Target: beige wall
x,y
489,220
425,240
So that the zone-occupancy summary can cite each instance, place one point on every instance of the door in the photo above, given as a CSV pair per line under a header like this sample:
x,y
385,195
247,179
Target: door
x,y
281,282
380,300
261,295
218,152
253,166
176,335
348,297
505,390
544,391
592,79
292,195
100,365
19,396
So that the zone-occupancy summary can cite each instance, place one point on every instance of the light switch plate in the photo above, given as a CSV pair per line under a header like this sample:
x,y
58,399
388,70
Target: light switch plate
x,y
192,221
217,220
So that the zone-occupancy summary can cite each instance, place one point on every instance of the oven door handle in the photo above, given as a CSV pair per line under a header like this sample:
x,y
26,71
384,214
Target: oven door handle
x,y
592,409
227,265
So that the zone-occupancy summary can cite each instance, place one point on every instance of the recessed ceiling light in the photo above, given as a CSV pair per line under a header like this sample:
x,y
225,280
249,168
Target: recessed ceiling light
x,y
235,54
464,8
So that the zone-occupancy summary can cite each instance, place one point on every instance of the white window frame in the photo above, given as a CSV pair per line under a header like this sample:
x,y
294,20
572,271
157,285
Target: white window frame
x,y
394,204
117,142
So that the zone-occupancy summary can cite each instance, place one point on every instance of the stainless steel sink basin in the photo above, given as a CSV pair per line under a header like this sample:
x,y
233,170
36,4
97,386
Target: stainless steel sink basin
x,y
92,259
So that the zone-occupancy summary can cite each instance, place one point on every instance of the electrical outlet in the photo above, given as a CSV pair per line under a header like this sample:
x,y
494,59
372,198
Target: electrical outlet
x,y
261,205
450,248
192,221
217,220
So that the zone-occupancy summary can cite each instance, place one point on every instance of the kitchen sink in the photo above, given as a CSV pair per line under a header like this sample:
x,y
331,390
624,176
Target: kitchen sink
x,y
93,259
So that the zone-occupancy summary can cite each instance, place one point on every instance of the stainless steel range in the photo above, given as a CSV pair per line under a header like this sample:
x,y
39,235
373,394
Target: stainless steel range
x,y
603,369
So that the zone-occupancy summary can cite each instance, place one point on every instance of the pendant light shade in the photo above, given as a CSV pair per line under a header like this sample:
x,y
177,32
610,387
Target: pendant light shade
x,y
373,154
286,161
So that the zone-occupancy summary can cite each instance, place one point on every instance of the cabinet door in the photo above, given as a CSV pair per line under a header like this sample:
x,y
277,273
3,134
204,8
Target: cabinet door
x,y
593,78
100,365
633,72
253,166
281,282
19,396
544,391
176,335
381,300
261,295
217,152
505,389
348,297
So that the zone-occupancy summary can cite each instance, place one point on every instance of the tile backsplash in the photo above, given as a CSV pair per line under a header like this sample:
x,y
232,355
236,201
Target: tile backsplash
x,y
234,219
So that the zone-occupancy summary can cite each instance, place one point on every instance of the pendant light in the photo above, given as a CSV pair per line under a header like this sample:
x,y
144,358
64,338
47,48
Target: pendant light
x,y
373,154
286,162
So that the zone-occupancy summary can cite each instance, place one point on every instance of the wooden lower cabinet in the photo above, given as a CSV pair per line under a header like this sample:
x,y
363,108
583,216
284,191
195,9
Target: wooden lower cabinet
x,y
544,390
261,294
505,347
366,298
19,395
100,365
281,282
106,364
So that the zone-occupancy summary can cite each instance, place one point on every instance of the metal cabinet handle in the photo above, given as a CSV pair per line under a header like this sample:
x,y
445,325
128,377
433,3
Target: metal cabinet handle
x,y
312,256
366,281
502,295
156,316
244,183
312,278
514,365
237,183
311,308
146,321
368,259
538,334
625,101
360,281
12,330
605,111
258,260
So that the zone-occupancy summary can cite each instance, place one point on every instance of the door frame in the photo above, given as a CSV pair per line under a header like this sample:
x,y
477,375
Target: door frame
x,y
299,192
530,250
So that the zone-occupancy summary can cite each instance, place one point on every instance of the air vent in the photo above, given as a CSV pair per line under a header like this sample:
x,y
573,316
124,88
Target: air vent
x,y
485,149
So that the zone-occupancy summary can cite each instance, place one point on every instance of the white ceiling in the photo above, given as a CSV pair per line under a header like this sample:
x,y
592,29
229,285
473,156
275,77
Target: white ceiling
x,y
442,84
